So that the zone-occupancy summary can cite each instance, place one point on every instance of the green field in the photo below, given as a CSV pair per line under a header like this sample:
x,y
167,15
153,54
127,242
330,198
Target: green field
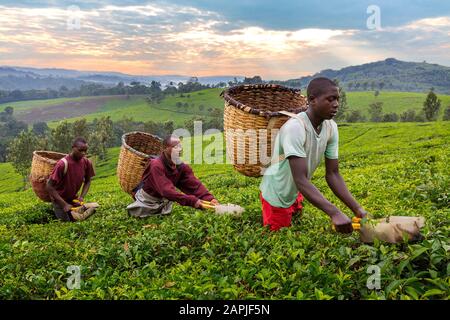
x,y
137,107
391,169
397,102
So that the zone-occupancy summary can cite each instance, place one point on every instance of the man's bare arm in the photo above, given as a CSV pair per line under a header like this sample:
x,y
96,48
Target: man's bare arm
x,y
86,186
337,184
299,172
56,197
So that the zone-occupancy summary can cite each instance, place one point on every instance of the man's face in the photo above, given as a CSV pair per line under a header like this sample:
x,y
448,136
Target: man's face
x,y
327,104
79,150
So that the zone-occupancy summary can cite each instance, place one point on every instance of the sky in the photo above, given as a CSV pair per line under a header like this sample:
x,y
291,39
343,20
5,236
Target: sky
x,y
274,39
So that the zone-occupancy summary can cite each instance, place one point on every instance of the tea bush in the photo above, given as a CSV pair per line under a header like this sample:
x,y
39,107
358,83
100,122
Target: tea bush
x,y
392,169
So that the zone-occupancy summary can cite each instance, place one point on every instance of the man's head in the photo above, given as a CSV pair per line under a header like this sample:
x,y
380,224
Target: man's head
x,y
79,148
172,148
323,97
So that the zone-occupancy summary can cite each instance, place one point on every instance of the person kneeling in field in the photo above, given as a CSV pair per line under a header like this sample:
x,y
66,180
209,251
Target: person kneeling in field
x,y
66,179
299,147
157,190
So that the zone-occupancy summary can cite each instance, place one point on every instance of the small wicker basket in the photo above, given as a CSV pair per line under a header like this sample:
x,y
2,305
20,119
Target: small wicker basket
x,y
137,148
256,107
41,168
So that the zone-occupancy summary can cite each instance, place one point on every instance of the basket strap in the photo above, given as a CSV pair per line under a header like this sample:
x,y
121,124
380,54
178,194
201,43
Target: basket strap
x,y
66,164
293,115
270,126
296,116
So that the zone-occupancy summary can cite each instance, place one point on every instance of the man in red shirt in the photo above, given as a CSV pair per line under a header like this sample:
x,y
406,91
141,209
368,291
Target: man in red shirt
x,y
160,181
66,179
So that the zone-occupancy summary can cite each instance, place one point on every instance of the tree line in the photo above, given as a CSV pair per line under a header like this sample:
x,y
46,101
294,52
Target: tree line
x,y
18,146
154,90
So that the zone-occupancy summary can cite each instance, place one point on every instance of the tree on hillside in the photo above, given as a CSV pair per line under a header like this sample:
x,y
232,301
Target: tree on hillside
x,y
381,85
408,116
9,129
80,128
253,80
376,93
20,153
342,103
168,127
355,116
390,117
101,137
6,114
431,106
446,116
376,111
61,137
40,128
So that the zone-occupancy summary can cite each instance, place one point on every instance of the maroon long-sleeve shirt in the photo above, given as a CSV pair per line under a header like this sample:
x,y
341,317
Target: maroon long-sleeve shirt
x,y
162,177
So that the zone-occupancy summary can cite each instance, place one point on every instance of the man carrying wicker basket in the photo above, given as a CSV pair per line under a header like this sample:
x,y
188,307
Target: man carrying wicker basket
x,y
66,179
299,147
160,180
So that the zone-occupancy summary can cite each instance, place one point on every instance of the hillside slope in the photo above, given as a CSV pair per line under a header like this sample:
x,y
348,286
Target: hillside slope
x,y
395,75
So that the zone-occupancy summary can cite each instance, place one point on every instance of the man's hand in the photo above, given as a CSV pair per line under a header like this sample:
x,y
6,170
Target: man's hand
x,y
214,202
342,223
67,207
361,213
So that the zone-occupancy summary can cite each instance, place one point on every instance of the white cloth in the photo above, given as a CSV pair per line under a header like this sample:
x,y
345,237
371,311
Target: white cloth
x,y
147,205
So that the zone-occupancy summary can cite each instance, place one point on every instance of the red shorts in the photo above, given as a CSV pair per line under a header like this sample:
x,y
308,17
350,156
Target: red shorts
x,y
278,218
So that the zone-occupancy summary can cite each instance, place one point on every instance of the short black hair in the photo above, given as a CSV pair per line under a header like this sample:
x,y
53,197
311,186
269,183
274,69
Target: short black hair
x,y
79,140
317,86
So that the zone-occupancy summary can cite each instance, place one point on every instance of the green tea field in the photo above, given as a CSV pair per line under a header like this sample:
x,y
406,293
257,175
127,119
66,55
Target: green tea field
x,y
391,169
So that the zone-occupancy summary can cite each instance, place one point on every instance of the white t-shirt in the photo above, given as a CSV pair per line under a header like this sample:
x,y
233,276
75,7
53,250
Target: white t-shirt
x,y
297,138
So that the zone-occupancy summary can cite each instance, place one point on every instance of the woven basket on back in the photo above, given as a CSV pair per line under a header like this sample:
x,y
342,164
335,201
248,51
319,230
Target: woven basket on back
x,y
137,148
256,107
41,168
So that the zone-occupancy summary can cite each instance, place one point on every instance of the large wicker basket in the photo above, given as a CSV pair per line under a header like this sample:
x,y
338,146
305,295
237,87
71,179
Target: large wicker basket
x,y
137,148
256,107
41,168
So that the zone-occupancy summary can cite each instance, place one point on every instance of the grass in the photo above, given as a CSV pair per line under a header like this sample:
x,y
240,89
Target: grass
x,y
10,180
391,169
397,102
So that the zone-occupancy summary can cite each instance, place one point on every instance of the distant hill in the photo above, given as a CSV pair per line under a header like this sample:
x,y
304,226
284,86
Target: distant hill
x,y
21,78
392,74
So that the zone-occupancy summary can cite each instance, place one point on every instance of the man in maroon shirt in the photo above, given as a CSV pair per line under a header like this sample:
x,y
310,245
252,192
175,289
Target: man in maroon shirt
x,y
160,181
66,179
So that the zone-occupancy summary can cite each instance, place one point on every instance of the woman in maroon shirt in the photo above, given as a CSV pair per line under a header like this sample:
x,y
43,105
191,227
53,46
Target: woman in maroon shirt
x,y
160,181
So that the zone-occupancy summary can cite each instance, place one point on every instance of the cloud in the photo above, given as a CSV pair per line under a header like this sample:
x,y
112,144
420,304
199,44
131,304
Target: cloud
x,y
161,38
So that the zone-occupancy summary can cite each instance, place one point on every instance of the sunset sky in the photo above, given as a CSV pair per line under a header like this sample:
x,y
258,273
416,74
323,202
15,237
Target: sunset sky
x,y
274,39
